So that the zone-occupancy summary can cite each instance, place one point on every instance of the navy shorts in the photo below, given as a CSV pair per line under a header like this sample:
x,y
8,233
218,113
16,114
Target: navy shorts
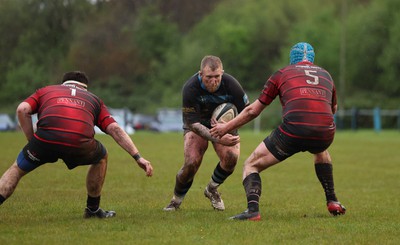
x,y
37,153
283,146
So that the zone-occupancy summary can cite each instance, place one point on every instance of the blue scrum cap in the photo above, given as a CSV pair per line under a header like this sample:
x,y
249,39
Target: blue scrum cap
x,y
301,52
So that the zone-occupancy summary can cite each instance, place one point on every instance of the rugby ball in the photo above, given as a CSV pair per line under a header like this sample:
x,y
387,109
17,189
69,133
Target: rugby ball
x,y
224,112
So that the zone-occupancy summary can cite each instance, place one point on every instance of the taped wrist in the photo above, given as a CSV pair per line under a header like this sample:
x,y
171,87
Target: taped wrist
x,y
136,156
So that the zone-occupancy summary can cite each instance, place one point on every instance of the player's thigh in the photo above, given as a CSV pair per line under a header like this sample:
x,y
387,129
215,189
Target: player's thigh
x,y
194,147
259,160
227,154
89,153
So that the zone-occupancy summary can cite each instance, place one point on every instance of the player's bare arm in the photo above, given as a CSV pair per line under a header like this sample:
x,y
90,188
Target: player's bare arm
x,y
123,139
24,113
228,139
203,131
248,114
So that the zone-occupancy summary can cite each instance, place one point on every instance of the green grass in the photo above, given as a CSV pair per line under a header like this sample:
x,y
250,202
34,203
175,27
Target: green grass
x,y
47,206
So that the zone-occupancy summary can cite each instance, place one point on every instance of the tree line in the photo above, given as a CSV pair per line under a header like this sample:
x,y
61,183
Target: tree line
x,y
138,53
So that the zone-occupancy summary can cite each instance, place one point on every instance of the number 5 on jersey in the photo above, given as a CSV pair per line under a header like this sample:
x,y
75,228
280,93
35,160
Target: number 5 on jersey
x,y
315,78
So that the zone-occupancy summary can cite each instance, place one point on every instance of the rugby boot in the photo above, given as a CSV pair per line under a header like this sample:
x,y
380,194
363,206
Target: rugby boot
x,y
336,208
173,205
246,215
99,213
215,198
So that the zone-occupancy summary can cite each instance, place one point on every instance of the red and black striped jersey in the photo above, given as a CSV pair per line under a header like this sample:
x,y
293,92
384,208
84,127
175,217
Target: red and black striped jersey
x,y
308,97
67,114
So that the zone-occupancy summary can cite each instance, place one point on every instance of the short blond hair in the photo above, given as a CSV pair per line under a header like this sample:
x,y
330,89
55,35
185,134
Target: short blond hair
x,y
211,61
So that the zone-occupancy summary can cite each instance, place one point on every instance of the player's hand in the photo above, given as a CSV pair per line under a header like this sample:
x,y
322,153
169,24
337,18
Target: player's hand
x,y
213,122
229,140
146,166
218,129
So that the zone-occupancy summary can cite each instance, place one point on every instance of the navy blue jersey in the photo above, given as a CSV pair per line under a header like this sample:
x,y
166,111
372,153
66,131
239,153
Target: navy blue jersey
x,y
198,104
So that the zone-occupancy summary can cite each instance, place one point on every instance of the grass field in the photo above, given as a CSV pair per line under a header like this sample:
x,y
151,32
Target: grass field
x,y
47,206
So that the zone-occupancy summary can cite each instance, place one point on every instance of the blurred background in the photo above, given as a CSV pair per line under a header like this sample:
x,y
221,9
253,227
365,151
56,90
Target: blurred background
x,y
139,53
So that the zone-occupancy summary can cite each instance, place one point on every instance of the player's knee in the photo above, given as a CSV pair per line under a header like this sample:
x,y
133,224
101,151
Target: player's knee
x,y
189,169
322,157
231,157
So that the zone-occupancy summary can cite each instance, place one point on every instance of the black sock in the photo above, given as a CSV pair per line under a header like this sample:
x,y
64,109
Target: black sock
x,y
2,199
219,175
252,186
181,189
324,173
93,203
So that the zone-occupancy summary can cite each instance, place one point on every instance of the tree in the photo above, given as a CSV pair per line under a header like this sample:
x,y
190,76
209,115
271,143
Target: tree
x,y
120,47
186,14
37,34
372,49
389,59
247,35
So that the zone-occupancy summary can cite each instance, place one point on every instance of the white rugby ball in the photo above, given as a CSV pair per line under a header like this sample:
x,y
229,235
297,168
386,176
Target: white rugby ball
x,y
225,112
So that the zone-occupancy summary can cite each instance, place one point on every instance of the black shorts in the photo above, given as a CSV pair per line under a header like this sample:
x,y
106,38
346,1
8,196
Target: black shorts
x,y
37,153
283,146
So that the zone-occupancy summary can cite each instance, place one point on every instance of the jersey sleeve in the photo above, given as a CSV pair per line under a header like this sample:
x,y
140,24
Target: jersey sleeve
x,y
271,89
240,98
334,99
190,109
33,101
104,118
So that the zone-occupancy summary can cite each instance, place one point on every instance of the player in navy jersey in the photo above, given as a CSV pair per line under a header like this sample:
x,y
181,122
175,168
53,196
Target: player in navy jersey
x,y
202,93
67,114
308,97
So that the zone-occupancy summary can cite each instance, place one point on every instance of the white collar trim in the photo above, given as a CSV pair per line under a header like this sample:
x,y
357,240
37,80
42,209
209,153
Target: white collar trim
x,y
72,82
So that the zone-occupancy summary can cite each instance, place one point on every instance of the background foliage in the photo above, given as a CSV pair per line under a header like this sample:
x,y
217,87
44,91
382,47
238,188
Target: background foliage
x,y
139,53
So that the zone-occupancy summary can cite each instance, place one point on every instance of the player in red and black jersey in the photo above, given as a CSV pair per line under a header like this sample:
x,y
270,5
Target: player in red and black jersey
x,y
202,93
67,114
308,97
